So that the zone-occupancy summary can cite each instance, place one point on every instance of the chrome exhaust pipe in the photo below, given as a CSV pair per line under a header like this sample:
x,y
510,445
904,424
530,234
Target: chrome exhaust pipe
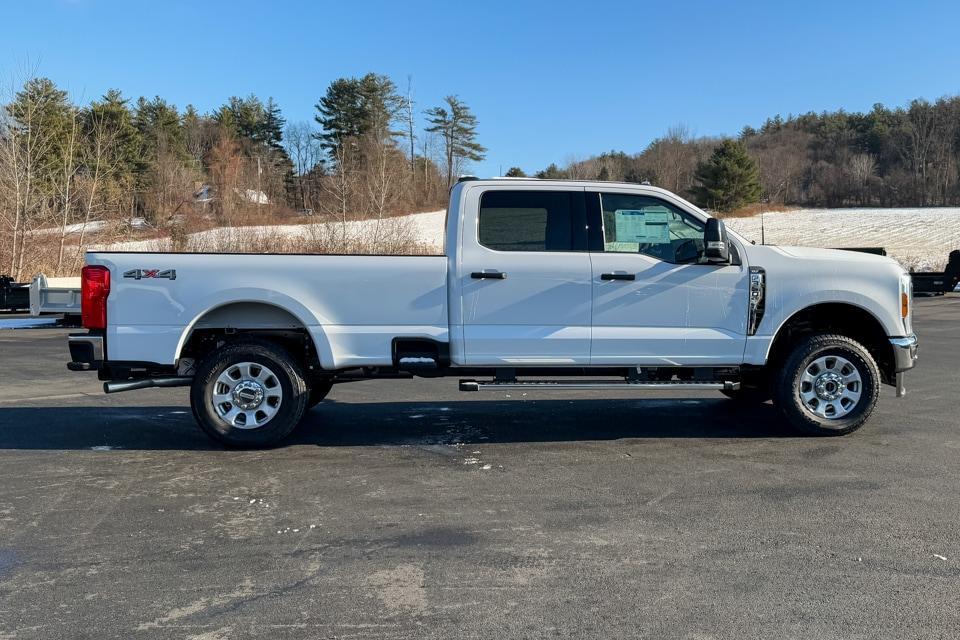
x,y
116,386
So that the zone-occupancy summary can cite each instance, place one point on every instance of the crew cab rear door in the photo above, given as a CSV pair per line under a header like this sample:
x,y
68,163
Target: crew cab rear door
x,y
654,301
524,277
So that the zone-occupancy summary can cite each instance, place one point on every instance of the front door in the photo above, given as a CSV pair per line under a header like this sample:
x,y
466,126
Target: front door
x,y
525,278
654,301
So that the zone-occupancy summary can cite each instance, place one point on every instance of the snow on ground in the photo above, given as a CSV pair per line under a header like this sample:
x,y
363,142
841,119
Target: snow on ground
x,y
918,238
93,226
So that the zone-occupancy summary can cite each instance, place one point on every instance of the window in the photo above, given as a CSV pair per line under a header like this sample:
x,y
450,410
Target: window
x,y
642,224
532,221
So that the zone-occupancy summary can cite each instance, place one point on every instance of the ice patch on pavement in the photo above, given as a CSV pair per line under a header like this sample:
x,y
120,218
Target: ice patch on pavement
x,y
28,323
103,447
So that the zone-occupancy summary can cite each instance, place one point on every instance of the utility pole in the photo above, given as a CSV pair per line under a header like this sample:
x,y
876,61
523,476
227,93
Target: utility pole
x,y
763,235
413,156
259,171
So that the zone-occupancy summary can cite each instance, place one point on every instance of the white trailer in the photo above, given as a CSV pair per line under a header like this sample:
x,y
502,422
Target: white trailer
x,y
54,295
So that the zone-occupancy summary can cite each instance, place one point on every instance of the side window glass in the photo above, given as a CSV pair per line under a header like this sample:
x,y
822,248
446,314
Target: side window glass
x,y
527,220
642,224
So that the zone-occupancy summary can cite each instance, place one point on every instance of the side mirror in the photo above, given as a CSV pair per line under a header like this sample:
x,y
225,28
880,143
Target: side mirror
x,y
715,247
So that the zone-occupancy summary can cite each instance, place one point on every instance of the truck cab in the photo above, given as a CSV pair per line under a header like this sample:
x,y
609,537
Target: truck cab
x,y
542,284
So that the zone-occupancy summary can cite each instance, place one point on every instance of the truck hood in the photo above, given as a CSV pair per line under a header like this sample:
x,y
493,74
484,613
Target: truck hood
x,y
829,255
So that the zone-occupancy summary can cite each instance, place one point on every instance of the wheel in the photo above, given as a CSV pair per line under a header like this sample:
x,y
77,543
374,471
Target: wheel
x,y
248,394
318,391
828,385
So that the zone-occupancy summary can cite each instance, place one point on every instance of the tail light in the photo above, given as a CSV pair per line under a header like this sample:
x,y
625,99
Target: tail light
x,y
94,289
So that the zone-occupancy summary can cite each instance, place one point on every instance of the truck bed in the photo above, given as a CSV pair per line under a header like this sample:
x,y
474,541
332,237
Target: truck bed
x,y
353,306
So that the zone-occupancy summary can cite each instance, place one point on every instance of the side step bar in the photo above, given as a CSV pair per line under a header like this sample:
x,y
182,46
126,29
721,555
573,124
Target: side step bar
x,y
670,385
116,386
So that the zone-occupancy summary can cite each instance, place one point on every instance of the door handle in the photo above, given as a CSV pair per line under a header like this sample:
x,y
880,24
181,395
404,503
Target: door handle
x,y
488,275
618,276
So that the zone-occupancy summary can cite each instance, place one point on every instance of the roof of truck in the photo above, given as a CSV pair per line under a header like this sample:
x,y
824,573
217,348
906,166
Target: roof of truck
x,y
563,181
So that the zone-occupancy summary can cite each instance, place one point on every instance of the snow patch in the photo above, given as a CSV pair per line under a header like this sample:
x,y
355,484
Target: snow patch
x,y
918,238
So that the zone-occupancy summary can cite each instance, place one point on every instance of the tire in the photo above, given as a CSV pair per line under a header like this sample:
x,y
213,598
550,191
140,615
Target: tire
x,y
828,385
261,392
318,391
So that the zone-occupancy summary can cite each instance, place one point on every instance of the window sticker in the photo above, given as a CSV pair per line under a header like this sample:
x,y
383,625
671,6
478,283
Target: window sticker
x,y
642,226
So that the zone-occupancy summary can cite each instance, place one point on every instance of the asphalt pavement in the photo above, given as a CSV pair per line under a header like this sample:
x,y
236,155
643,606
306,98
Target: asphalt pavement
x,y
406,509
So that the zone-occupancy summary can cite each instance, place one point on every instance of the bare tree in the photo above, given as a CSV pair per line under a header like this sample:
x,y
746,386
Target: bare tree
x,y
65,181
304,149
27,141
340,184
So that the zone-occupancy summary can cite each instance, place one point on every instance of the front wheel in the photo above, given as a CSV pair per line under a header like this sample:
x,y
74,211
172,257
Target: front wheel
x,y
828,385
250,393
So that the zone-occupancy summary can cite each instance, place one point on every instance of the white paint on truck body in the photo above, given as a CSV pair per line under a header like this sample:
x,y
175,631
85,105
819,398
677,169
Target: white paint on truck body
x,y
552,309
352,306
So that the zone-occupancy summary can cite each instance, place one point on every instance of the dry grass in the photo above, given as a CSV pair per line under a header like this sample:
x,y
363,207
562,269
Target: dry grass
x,y
755,209
392,236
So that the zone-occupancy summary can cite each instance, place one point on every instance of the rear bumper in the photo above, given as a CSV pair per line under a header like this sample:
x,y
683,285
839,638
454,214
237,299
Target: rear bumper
x,y
904,357
86,352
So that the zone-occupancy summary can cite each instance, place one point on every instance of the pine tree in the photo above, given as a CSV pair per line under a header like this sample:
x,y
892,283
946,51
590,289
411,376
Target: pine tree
x,y
272,126
43,115
112,114
729,180
354,107
553,172
158,123
515,172
457,126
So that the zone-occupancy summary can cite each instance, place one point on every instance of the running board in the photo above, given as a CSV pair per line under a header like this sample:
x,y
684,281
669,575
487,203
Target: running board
x,y
553,385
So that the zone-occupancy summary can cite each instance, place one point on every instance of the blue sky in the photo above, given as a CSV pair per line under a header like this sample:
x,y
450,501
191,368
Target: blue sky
x,y
547,80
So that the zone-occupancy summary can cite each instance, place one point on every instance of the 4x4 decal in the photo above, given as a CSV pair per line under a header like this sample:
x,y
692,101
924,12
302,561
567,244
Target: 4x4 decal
x,y
138,274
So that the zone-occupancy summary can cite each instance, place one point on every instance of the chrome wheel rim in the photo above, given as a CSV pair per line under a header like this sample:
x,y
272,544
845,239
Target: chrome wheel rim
x,y
830,387
246,395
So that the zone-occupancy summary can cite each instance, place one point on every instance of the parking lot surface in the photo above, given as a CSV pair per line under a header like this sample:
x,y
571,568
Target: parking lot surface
x,y
406,509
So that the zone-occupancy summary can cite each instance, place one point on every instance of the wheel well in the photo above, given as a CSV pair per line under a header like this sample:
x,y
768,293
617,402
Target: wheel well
x,y
840,318
239,320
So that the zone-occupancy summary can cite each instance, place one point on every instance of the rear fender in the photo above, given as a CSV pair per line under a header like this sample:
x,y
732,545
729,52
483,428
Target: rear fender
x,y
303,317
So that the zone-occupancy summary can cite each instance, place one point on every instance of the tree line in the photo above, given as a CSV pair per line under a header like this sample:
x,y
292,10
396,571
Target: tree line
x,y
904,156
70,172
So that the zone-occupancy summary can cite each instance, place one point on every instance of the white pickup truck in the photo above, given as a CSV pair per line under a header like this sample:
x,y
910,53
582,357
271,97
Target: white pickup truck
x,y
543,285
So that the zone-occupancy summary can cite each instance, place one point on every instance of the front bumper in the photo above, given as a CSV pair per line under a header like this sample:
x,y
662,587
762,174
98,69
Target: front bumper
x,y
904,357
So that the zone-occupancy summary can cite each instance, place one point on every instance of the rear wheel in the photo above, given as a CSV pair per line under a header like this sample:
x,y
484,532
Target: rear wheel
x,y
248,394
828,385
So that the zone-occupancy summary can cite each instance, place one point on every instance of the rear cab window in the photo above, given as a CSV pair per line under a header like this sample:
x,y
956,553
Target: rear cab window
x,y
532,220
